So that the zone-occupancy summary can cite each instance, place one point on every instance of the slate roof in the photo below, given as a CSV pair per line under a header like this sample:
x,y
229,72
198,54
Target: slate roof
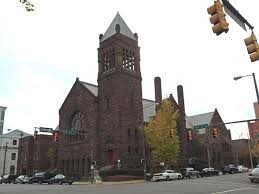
x,y
149,106
149,110
124,29
200,119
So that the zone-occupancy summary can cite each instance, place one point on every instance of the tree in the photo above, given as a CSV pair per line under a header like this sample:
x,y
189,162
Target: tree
x,y
28,5
164,148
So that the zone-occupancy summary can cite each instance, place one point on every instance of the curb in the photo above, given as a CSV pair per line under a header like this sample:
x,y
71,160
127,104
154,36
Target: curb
x,y
110,183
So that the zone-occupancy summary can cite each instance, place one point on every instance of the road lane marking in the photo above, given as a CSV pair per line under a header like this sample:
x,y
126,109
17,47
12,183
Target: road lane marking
x,y
232,190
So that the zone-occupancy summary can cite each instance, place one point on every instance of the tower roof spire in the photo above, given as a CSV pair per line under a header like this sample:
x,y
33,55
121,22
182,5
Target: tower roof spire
x,y
120,26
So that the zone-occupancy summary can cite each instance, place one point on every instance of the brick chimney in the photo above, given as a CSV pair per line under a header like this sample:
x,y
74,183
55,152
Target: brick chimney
x,y
158,90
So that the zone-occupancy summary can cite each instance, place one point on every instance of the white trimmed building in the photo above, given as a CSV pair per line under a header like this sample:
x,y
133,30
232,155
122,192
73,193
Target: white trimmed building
x,y
9,144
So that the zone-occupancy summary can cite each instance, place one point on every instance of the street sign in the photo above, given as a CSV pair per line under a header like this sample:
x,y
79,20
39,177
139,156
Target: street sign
x,y
235,18
235,15
45,129
70,132
201,126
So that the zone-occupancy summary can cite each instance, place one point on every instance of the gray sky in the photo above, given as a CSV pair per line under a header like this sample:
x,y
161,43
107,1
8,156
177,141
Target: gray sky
x,y
42,53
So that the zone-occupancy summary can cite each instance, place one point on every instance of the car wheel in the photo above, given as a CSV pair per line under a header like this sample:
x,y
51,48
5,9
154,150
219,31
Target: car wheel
x,y
179,177
167,178
252,180
60,182
40,182
70,183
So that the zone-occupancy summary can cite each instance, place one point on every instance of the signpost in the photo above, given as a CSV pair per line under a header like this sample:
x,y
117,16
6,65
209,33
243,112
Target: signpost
x,y
45,129
201,126
235,15
70,132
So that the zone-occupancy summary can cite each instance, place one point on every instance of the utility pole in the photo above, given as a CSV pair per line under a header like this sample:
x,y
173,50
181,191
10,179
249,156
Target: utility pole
x,y
144,156
5,150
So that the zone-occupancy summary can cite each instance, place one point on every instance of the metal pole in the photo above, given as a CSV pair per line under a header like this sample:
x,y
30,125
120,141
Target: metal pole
x,y
208,156
144,157
251,161
5,158
256,89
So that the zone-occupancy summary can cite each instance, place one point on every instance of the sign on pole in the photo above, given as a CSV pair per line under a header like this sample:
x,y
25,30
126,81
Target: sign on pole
x,y
235,18
201,126
45,129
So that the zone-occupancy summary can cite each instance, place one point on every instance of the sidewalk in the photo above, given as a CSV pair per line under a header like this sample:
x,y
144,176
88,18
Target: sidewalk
x,y
110,183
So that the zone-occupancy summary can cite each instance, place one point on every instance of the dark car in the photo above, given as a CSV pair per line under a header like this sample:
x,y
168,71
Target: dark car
x,y
210,172
61,179
190,172
41,177
8,178
230,169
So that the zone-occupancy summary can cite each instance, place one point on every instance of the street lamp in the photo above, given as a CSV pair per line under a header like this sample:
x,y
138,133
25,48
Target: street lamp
x,y
256,89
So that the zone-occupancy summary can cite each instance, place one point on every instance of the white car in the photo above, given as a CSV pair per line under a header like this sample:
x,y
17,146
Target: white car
x,y
167,175
242,168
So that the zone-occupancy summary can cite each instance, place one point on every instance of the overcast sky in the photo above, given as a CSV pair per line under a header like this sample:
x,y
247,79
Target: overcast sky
x,y
42,53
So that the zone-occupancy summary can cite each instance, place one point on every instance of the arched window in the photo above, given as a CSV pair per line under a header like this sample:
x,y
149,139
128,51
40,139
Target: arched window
x,y
12,169
78,122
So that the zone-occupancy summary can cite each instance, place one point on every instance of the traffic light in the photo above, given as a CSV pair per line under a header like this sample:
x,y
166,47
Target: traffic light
x,y
189,135
218,18
56,136
35,136
171,133
252,47
215,132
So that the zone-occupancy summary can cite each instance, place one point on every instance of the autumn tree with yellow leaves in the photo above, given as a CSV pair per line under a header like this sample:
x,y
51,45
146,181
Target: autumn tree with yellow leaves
x,y
161,134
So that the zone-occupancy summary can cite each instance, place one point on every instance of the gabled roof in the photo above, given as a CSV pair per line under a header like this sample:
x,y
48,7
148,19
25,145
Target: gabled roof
x,y
200,119
199,122
15,134
124,29
91,87
149,106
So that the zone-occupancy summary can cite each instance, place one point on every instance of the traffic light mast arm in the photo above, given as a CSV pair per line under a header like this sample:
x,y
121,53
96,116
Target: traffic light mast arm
x,y
236,13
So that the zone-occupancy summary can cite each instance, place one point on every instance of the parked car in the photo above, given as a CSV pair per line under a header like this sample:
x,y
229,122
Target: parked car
x,y
210,172
190,172
166,175
22,179
254,175
1,180
61,179
8,178
230,169
41,177
242,168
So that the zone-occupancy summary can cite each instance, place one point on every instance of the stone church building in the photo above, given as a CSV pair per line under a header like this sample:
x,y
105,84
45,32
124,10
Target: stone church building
x,y
107,117
101,124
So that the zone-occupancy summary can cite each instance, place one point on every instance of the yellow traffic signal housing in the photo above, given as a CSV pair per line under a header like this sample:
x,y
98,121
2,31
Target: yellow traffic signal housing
x,y
252,47
35,136
215,132
189,135
56,136
218,18
171,133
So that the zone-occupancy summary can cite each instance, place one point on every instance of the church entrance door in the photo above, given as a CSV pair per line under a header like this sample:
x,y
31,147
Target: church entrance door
x,y
110,157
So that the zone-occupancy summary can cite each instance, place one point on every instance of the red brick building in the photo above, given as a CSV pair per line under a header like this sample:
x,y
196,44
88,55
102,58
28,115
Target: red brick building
x,y
34,154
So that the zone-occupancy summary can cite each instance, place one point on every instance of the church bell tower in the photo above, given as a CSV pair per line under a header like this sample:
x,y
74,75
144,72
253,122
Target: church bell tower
x,y
120,97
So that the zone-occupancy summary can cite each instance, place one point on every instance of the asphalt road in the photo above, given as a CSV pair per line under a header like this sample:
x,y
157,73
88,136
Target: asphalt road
x,y
234,184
